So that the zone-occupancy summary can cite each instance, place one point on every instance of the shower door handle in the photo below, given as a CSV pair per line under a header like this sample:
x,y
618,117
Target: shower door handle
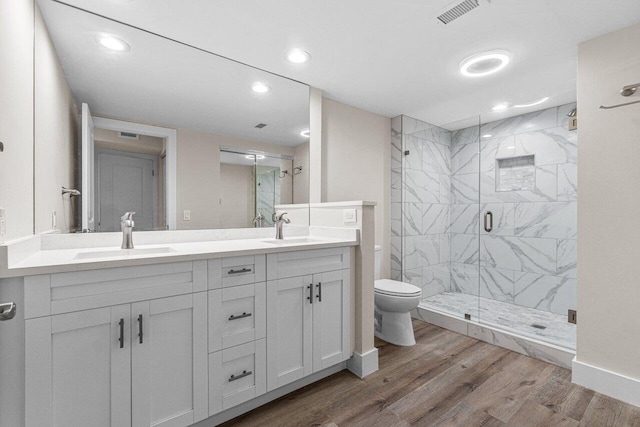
x,y
488,221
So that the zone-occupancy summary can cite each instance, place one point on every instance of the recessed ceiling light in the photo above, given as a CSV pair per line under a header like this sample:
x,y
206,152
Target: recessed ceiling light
x,y
113,43
488,135
259,87
533,103
298,56
485,63
305,133
500,107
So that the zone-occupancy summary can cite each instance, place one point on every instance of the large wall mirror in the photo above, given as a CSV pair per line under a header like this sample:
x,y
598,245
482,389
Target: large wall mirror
x,y
183,137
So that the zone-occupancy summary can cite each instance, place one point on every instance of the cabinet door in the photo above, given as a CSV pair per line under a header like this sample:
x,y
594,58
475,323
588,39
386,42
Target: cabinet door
x,y
169,361
289,329
77,371
331,321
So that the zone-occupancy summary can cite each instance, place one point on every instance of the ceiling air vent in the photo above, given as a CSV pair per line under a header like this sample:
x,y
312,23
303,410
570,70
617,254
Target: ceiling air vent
x,y
128,135
458,10
260,125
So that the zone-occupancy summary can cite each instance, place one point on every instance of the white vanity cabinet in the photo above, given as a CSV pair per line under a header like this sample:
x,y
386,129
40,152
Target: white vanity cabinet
x,y
308,315
140,363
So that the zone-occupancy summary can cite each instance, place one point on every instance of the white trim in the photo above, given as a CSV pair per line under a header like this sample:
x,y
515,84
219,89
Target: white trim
x,y
171,172
363,364
612,384
343,204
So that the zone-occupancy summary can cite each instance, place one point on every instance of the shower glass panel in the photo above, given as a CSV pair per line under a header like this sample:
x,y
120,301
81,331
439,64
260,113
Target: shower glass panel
x,y
431,182
527,223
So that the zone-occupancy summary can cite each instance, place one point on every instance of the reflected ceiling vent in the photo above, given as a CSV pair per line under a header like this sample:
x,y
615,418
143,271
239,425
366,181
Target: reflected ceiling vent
x,y
458,10
128,135
260,125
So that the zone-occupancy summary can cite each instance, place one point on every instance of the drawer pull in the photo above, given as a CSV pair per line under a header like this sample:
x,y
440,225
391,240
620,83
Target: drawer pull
x,y
240,316
242,375
244,270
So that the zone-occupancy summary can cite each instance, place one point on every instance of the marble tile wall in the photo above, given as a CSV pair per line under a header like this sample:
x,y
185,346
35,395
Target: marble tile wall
x,y
420,197
438,241
529,258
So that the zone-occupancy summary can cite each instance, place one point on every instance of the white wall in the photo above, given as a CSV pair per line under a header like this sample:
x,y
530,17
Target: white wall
x,y
16,116
609,204
56,137
356,164
301,181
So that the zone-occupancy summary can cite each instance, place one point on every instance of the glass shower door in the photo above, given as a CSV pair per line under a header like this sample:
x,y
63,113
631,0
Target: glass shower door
x,y
528,219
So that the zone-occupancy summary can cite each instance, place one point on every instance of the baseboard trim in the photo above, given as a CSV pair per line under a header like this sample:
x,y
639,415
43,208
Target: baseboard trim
x,y
231,413
363,364
603,381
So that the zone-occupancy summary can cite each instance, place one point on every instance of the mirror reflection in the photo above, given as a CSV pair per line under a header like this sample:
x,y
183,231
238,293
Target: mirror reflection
x,y
155,115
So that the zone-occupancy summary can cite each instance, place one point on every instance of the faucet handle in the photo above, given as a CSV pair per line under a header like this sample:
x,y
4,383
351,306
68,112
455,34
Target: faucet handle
x,y
127,219
282,218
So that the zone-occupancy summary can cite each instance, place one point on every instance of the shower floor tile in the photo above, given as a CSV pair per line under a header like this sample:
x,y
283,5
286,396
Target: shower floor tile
x,y
506,316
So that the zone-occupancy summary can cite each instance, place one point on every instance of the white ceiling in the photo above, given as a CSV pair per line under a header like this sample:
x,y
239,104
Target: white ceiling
x,y
162,82
392,56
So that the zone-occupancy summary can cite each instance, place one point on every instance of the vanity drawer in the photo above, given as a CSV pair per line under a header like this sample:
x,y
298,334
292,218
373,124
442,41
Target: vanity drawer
x,y
236,271
301,263
236,375
85,290
237,315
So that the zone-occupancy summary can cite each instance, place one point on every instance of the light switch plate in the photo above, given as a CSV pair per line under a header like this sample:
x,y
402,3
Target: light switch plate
x,y
187,215
349,216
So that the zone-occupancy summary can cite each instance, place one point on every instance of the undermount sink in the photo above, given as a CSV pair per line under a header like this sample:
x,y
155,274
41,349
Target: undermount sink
x,y
123,252
291,241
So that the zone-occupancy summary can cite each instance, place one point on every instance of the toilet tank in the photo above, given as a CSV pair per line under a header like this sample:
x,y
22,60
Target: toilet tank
x,y
378,261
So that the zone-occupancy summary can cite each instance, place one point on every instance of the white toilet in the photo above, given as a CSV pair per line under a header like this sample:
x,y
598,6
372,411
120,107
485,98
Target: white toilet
x,y
393,302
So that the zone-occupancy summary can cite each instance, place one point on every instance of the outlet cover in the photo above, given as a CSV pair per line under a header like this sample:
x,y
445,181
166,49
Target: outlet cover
x,y
349,216
187,215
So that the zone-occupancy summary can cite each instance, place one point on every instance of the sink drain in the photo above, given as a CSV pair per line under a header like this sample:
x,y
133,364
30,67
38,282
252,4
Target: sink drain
x,y
535,325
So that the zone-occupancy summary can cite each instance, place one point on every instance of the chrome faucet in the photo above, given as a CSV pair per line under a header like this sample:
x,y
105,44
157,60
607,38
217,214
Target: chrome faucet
x,y
279,220
127,224
258,221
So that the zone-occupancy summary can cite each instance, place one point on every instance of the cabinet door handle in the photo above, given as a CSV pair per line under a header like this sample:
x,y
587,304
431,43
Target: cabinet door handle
x,y
239,316
242,375
488,221
121,339
244,270
140,331
310,297
319,286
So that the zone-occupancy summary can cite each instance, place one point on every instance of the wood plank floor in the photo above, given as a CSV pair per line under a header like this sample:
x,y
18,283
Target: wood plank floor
x,y
446,379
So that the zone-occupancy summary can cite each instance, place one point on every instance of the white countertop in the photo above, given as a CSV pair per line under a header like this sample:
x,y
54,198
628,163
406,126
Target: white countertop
x,y
64,253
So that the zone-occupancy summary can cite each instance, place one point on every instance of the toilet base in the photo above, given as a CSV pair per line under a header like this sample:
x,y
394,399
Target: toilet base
x,y
394,328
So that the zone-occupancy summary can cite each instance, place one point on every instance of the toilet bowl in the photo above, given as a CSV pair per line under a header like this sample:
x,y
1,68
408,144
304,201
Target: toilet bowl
x,y
393,302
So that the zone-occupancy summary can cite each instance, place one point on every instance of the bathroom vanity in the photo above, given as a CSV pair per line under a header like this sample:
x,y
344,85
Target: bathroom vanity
x,y
179,332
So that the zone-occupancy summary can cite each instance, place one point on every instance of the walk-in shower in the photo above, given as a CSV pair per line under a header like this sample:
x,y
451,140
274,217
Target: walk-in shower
x,y
484,220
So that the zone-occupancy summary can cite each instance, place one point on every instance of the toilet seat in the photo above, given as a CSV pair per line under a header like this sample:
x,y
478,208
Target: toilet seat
x,y
395,288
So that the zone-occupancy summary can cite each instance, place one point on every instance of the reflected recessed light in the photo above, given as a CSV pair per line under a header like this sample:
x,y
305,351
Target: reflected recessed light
x,y
485,63
259,87
305,133
254,156
298,56
500,107
533,103
488,135
113,43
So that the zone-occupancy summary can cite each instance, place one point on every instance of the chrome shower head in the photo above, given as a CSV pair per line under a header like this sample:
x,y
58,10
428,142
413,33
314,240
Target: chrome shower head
x,y
573,112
